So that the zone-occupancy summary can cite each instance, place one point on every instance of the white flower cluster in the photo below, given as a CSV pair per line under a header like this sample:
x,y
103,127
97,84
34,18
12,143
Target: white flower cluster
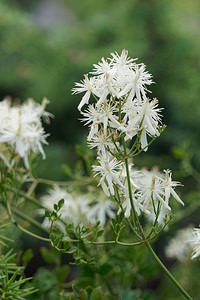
x,y
151,191
21,130
119,87
195,242
179,246
120,113
79,208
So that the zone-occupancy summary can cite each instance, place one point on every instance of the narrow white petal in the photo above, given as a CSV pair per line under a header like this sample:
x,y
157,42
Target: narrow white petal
x,y
84,100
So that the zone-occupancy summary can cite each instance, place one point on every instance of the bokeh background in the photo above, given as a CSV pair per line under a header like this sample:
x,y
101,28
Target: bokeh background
x,y
47,45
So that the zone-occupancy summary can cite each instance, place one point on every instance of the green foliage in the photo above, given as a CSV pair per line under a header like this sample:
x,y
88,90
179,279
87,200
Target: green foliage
x,y
37,62
10,286
12,283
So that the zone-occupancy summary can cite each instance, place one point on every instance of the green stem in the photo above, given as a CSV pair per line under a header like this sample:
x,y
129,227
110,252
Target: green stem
x,y
65,183
32,234
171,277
122,209
23,195
30,220
130,190
31,199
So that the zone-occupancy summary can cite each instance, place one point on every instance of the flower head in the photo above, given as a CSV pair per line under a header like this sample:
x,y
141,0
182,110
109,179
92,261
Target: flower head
x,y
109,172
195,242
21,128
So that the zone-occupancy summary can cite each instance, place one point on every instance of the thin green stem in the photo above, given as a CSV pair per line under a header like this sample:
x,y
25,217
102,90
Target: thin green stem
x,y
130,191
100,243
133,227
31,199
32,234
146,242
65,183
30,220
181,289
25,196
131,151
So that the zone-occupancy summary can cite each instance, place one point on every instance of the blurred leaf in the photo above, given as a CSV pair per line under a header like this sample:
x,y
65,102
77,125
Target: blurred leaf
x,y
47,255
96,294
63,272
130,294
28,254
67,170
76,290
83,295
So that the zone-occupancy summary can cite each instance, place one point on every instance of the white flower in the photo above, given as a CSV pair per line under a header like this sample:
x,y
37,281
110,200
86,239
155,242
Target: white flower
x,y
132,118
136,85
161,215
101,142
127,202
109,171
78,208
98,116
150,119
122,60
195,242
141,116
179,246
86,85
151,189
155,187
21,128
103,67
106,85
169,187
92,115
135,193
75,209
102,208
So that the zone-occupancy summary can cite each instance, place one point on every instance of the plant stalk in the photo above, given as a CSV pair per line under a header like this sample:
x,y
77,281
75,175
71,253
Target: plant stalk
x,y
171,277
146,242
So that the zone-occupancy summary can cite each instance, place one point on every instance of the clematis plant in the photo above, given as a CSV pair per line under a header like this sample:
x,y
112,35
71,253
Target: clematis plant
x,y
123,122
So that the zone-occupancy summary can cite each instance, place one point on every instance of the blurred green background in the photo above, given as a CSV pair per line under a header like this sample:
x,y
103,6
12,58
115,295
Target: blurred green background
x,y
47,45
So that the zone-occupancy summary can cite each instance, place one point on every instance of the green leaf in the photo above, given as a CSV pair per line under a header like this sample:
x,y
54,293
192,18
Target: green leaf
x,y
65,245
47,255
69,228
121,216
113,223
72,297
79,150
28,254
71,250
47,214
63,272
130,294
66,169
96,294
83,295
76,290
60,203
99,233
